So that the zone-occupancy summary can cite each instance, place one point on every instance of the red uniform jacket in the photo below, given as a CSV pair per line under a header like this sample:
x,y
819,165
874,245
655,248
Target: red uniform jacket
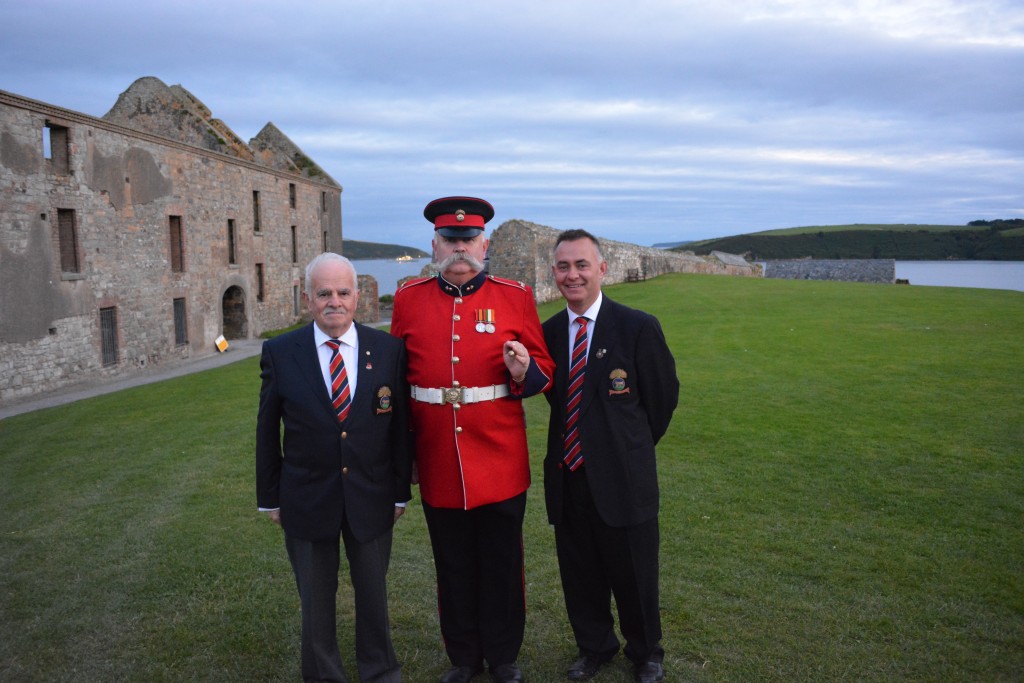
x,y
476,453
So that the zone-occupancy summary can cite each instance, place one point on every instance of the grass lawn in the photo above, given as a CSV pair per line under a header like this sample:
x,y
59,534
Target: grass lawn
x,y
842,500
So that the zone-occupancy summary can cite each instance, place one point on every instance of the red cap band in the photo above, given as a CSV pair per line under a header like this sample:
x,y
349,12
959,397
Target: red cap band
x,y
451,220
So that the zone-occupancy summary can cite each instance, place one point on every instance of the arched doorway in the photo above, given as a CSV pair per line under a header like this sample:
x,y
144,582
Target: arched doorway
x,y
236,325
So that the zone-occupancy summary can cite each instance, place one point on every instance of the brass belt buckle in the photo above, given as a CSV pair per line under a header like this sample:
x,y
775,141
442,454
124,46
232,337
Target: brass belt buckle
x,y
453,394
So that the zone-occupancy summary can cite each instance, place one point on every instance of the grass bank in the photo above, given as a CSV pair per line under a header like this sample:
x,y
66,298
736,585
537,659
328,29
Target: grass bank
x,y
843,490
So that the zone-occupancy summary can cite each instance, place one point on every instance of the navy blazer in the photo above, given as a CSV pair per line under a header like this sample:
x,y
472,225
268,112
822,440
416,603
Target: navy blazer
x,y
322,472
630,391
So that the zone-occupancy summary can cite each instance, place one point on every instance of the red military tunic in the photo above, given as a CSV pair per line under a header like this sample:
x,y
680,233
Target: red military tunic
x,y
471,454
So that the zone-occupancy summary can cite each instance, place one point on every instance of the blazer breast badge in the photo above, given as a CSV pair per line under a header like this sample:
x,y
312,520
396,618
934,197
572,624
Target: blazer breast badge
x,y
383,400
618,378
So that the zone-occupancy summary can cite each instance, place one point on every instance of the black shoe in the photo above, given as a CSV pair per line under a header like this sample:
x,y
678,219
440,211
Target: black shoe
x,y
460,674
649,672
506,673
585,667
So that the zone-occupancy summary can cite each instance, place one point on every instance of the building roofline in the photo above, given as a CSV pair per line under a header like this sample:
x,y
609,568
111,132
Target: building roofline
x,y
28,103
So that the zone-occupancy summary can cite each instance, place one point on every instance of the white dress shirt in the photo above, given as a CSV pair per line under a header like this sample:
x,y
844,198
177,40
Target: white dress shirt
x,y
591,315
349,350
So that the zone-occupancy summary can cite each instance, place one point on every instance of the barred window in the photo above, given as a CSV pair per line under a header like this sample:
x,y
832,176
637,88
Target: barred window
x,y
108,330
180,323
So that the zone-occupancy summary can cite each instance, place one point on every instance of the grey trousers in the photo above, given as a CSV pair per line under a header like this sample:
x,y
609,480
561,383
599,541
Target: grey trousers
x,y
316,566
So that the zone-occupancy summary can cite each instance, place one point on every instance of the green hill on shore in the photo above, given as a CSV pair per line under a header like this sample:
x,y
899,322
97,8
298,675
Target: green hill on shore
x,y
997,240
356,250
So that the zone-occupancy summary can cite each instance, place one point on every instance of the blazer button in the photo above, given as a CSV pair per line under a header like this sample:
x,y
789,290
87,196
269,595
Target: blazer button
x,y
458,430
344,470
455,359
344,435
455,337
456,317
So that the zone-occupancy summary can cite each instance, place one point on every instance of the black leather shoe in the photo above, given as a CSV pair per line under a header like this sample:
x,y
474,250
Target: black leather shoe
x,y
506,673
649,672
460,674
585,667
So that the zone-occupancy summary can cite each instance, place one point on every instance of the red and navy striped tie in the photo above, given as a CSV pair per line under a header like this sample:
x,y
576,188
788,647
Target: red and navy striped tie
x,y
341,397
578,363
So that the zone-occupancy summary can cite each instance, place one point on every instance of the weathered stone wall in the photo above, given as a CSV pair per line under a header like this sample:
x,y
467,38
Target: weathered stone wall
x,y
521,250
369,301
868,270
123,185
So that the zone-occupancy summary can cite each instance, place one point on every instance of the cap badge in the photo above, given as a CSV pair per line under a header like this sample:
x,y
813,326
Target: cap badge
x,y
618,382
460,215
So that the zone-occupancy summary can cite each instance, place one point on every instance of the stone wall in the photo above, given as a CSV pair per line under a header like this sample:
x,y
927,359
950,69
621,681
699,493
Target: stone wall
x,y
369,302
867,270
522,251
124,188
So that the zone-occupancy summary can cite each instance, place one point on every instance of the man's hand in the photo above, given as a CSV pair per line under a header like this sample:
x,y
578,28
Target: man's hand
x,y
275,516
399,511
517,360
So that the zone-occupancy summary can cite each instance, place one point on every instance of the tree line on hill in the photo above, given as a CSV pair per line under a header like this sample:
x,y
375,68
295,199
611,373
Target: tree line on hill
x,y
995,240
356,250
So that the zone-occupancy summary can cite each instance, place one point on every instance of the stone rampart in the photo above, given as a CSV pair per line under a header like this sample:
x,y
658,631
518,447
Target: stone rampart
x,y
854,270
521,250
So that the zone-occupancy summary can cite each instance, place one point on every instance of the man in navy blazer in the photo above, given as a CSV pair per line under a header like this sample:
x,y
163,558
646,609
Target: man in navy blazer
x,y
342,469
614,393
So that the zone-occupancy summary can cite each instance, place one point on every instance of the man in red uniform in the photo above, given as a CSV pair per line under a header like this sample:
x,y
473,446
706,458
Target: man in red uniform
x,y
475,349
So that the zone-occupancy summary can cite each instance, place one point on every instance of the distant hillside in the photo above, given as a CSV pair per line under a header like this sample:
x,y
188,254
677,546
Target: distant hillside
x,y
998,240
356,250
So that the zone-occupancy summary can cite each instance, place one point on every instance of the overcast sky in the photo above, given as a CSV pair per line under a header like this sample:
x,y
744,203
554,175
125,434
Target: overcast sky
x,y
640,121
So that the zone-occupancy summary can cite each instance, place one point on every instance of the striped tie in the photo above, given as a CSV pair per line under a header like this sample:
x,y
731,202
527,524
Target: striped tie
x,y
573,450
341,397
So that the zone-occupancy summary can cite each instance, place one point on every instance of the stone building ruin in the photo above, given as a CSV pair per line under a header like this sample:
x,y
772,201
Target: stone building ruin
x,y
520,250
135,239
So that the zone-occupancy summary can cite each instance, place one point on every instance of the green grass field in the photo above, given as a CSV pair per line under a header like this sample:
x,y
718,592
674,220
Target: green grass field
x,y
842,500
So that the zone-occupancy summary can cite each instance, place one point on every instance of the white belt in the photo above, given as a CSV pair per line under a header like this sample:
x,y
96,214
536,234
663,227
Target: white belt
x,y
459,394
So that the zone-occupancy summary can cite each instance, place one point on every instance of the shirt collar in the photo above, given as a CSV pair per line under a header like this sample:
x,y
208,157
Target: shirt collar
x,y
591,313
351,337
468,288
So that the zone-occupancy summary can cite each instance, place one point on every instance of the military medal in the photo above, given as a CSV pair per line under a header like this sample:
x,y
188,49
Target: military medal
x,y
618,382
485,320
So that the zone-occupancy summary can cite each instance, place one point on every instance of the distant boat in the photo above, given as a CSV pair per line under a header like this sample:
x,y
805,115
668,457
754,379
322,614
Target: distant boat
x,y
404,257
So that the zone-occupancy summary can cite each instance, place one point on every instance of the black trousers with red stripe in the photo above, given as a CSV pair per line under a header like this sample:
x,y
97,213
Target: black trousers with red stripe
x,y
478,557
